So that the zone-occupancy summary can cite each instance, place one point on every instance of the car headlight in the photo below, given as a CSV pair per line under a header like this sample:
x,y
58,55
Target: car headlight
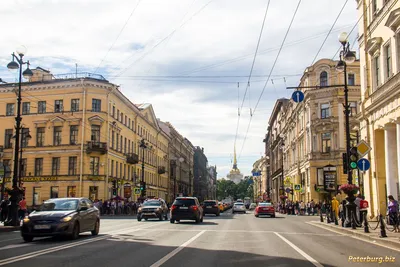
x,y
26,219
66,219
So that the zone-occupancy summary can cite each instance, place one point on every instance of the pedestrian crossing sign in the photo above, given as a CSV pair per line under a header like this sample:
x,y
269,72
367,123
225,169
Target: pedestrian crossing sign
x,y
137,191
287,181
297,187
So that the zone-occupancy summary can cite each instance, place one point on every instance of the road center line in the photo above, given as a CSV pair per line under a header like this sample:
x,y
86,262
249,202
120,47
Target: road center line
x,y
175,251
62,247
301,252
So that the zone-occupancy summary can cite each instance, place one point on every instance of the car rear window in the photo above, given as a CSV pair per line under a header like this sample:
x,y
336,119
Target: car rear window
x,y
238,204
265,204
184,202
210,203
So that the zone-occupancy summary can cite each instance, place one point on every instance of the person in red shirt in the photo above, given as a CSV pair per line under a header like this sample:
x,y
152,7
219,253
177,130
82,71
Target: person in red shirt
x,y
22,208
363,208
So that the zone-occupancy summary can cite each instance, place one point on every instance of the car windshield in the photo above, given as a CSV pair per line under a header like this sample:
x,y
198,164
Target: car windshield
x,y
210,203
184,202
152,203
59,204
265,204
238,204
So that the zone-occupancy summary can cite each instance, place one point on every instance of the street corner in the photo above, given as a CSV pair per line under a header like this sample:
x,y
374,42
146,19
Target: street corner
x,y
7,229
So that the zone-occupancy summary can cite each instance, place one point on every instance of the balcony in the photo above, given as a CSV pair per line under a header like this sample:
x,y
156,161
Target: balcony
x,y
161,170
132,158
93,146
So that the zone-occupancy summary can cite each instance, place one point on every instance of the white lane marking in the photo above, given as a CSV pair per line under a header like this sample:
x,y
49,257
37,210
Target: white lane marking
x,y
355,237
62,247
301,252
11,239
14,246
175,251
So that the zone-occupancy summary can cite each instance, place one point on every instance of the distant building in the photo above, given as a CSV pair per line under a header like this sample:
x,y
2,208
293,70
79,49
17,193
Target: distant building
x,y
200,172
235,175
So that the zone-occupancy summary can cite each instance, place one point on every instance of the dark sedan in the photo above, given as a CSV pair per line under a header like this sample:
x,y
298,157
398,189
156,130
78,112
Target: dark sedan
x,y
211,207
186,208
62,216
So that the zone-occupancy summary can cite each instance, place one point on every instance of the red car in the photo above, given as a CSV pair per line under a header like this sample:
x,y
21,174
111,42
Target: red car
x,y
265,208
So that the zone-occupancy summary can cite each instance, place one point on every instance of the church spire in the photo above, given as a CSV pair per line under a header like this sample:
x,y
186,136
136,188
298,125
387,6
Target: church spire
x,y
234,158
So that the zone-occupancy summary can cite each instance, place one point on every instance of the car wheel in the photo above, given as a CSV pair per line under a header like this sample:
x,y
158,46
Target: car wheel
x,y
256,216
217,214
178,221
197,220
273,216
139,218
146,219
27,238
166,217
75,232
172,221
160,217
96,229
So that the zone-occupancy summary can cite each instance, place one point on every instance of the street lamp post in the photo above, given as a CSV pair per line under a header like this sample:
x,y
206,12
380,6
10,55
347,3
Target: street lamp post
x,y
26,137
180,173
15,194
347,57
144,146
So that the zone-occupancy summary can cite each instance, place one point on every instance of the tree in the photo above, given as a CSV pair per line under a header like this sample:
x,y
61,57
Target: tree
x,y
226,188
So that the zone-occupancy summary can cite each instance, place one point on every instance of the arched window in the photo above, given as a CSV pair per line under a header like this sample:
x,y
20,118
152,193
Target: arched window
x,y
323,78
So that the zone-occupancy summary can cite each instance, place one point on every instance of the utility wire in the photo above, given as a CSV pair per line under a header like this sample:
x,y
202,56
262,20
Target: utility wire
x,y
119,34
269,76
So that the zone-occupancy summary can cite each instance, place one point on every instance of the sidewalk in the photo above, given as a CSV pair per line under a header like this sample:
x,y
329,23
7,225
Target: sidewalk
x,y
5,229
392,240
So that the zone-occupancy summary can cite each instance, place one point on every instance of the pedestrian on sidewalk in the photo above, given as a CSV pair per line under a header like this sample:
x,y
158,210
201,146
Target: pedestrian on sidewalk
x,y
4,209
335,208
393,212
22,208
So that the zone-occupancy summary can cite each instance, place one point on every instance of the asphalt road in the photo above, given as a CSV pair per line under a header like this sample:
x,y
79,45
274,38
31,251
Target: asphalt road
x,y
228,240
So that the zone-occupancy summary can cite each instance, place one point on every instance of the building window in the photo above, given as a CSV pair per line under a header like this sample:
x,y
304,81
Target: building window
x,y
73,135
7,168
25,137
55,166
326,142
40,136
7,138
323,79
38,166
95,137
129,123
41,107
36,196
58,106
388,61
351,79
71,191
57,136
112,168
26,108
94,165
112,139
10,109
72,165
125,145
96,105
24,163
93,192
353,108
74,105
54,192
374,6
376,68
325,111
117,114
117,145
113,111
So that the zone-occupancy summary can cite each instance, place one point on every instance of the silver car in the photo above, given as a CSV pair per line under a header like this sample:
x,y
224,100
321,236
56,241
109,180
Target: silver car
x,y
239,207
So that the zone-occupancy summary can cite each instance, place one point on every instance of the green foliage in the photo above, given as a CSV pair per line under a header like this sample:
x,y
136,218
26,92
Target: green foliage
x,y
227,188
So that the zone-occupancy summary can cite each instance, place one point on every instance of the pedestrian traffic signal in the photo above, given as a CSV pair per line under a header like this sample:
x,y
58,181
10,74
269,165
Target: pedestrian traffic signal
x,y
114,191
353,158
142,186
345,165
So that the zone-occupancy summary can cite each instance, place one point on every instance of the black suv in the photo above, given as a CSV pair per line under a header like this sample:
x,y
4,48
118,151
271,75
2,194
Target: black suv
x,y
210,207
153,208
186,208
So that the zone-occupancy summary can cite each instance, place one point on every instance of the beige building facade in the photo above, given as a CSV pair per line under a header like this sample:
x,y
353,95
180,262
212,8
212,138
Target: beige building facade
x,y
379,40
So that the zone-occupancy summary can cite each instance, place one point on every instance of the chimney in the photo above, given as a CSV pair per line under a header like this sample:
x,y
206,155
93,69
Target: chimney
x,y
40,75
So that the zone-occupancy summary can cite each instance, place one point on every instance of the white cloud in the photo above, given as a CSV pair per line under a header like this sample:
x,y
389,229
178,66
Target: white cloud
x,y
60,33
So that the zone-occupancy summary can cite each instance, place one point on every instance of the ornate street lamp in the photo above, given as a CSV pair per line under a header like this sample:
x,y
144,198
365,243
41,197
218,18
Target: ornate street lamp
x,y
347,57
15,194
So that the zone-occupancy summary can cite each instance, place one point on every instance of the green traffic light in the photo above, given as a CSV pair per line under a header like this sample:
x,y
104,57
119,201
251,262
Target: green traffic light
x,y
353,165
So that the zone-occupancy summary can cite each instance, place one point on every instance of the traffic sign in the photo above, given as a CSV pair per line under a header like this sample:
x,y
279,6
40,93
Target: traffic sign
x,y
137,191
297,187
298,96
363,148
363,164
256,173
288,190
287,181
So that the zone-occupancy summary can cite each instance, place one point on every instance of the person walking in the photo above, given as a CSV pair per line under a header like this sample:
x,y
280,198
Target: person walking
x,y
393,212
335,208
22,208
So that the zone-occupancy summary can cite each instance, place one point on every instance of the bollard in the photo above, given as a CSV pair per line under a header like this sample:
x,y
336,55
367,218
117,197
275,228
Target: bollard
x,y
353,222
383,230
366,229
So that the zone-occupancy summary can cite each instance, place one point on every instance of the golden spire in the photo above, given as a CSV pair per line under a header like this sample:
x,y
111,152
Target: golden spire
x,y
234,158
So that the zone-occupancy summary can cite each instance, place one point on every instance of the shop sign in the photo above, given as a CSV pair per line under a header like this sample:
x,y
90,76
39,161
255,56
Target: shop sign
x,y
127,190
39,179
330,178
95,178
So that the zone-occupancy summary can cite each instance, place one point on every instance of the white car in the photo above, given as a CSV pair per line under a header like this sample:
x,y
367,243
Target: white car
x,y
252,206
239,207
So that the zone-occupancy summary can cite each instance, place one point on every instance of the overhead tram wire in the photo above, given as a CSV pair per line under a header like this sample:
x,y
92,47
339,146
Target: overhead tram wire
x,y
269,76
119,34
164,39
251,71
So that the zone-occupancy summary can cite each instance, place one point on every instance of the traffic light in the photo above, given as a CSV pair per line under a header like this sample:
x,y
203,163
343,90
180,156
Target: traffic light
x,y
114,188
114,191
353,158
345,165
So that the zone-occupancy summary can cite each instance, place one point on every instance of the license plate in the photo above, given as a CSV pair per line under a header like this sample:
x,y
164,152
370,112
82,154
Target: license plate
x,y
184,208
41,226
208,207
265,209
148,213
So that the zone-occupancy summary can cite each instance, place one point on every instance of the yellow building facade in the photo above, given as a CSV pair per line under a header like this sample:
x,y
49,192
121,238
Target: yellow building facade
x,y
81,137
379,40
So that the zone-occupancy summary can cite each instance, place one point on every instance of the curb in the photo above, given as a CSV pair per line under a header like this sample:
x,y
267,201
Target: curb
x,y
6,229
366,237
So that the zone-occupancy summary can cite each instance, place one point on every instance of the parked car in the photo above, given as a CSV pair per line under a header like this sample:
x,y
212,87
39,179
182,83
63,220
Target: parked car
x,y
210,207
186,208
153,208
61,216
265,208
238,207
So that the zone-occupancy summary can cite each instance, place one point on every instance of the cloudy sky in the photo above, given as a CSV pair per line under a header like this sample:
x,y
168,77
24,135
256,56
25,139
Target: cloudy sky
x,y
190,58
